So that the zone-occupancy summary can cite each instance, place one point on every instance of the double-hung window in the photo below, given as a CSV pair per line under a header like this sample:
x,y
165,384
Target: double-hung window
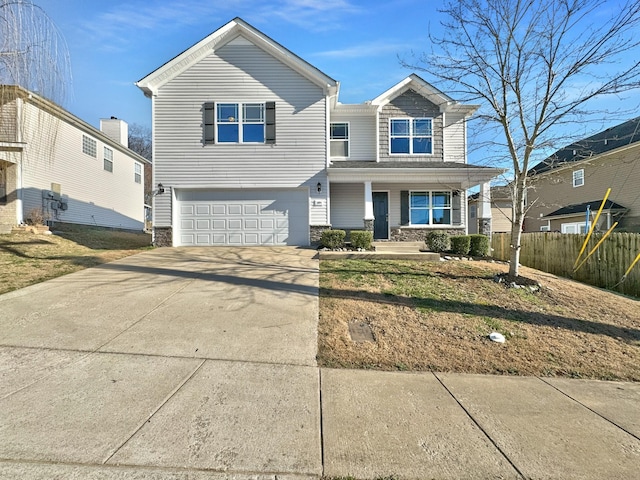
x,y
578,178
411,136
108,159
89,146
239,122
430,208
137,174
339,139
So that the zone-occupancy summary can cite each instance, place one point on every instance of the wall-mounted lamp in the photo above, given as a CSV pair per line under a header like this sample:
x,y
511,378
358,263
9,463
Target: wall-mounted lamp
x,y
319,186
160,189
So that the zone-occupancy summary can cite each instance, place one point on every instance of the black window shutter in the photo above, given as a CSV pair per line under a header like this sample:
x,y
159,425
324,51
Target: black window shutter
x,y
455,206
209,128
404,207
270,122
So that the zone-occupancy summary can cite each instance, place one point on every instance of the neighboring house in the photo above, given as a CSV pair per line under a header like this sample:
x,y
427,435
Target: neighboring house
x,y
566,190
252,147
501,210
56,167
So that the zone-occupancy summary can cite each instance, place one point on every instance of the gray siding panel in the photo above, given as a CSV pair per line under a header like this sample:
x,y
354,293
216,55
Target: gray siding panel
x,y
347,205
240,73
454,138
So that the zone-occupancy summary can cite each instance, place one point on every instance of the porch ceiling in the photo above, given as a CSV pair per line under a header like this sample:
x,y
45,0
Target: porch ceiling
x,y
412,172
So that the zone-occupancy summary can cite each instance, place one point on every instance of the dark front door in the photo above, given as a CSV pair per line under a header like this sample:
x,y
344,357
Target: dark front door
x,y
381,215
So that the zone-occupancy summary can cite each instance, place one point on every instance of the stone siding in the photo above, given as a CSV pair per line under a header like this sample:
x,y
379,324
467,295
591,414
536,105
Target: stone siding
x,y
163,236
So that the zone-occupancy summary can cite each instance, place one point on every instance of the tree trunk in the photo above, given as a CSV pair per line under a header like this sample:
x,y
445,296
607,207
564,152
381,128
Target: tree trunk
x,y
517,222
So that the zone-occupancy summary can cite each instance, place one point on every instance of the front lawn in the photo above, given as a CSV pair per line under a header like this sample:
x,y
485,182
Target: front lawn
x,y
28,258
404,315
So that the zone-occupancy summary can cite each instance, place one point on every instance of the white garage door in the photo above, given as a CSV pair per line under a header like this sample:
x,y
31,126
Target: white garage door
x,y
243,217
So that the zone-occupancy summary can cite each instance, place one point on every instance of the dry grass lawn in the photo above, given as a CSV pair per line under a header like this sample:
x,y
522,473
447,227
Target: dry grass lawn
x,y
28,258
437,316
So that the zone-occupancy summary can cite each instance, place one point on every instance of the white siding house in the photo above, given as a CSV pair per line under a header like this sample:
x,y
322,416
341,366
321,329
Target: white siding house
x,y
252,147
63,169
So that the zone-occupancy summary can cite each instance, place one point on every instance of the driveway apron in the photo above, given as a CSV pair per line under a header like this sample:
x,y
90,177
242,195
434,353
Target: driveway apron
x,y
173,359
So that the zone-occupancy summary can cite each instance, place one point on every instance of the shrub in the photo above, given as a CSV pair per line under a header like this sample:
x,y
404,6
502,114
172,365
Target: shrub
x,y
361,239
36,216
460,244
438,241
479,245
333,238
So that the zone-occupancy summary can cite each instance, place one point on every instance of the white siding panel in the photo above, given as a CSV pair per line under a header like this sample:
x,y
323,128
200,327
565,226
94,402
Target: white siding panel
x,y
454,138
362,135
53,154
347,205
241,73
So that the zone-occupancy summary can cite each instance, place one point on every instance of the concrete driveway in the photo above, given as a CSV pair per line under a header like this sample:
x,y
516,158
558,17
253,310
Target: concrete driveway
x,y
200,364
173,359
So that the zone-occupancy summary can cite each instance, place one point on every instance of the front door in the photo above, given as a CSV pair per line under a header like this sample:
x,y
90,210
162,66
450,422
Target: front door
x,y
381,215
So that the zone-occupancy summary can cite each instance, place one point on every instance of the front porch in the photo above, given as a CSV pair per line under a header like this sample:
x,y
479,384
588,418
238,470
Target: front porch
x,y
404,201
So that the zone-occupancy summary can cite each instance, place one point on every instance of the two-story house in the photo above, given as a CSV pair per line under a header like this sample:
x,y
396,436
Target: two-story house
x,y
566,190
252,147
56,167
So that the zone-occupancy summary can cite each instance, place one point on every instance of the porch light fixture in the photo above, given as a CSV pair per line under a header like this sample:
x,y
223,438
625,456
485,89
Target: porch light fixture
x,y
160,189
319,186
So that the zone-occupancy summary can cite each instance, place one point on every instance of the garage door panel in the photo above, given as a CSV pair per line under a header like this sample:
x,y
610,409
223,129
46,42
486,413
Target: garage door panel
x,y
234,210
243,217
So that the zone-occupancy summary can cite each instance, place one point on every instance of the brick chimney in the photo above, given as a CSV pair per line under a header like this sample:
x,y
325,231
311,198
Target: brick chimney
x,y
116,129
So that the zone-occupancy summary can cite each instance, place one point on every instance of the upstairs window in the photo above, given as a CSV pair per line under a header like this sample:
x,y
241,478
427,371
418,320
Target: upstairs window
x,y
137,175
239,122
89,146
411,136
578,178
339,140
108,159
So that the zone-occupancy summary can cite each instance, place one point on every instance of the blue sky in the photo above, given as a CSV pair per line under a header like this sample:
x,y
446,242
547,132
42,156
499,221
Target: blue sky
x,y
115,43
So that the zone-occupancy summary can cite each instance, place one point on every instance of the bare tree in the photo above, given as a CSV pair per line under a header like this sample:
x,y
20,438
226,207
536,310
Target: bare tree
x,y
140,141
536,66
33,53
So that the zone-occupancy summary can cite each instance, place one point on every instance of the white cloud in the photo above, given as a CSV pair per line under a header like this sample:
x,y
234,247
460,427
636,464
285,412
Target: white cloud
x,y
372,49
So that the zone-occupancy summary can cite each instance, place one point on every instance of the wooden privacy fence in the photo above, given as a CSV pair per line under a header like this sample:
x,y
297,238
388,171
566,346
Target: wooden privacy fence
x,y
556,253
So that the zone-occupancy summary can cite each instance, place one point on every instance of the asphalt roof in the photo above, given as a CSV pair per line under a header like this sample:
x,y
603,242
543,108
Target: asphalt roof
x,y
615,137
582,208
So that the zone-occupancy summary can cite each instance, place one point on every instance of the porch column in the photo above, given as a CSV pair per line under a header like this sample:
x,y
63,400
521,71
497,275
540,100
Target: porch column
x,y
484,209
368,207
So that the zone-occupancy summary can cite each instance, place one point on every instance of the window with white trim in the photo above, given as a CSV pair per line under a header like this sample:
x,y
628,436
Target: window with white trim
x,y
578,178
137,175
544,228
430,208
240,122
89,146
411,136
339,139
108,159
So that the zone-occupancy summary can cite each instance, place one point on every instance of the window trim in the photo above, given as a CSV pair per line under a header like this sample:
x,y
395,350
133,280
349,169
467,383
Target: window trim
x,y
336,140
89,146
267,123
411,137
578,177
430,208
137,172
107,161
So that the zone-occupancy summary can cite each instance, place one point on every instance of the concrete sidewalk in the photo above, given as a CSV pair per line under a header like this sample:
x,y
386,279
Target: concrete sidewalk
x,y
200,364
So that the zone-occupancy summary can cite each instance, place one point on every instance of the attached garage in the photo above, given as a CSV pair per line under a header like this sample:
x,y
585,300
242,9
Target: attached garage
x,y
243,217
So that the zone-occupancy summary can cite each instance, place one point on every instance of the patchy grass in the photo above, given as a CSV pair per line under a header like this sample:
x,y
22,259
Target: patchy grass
x,y
27,258
437,316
